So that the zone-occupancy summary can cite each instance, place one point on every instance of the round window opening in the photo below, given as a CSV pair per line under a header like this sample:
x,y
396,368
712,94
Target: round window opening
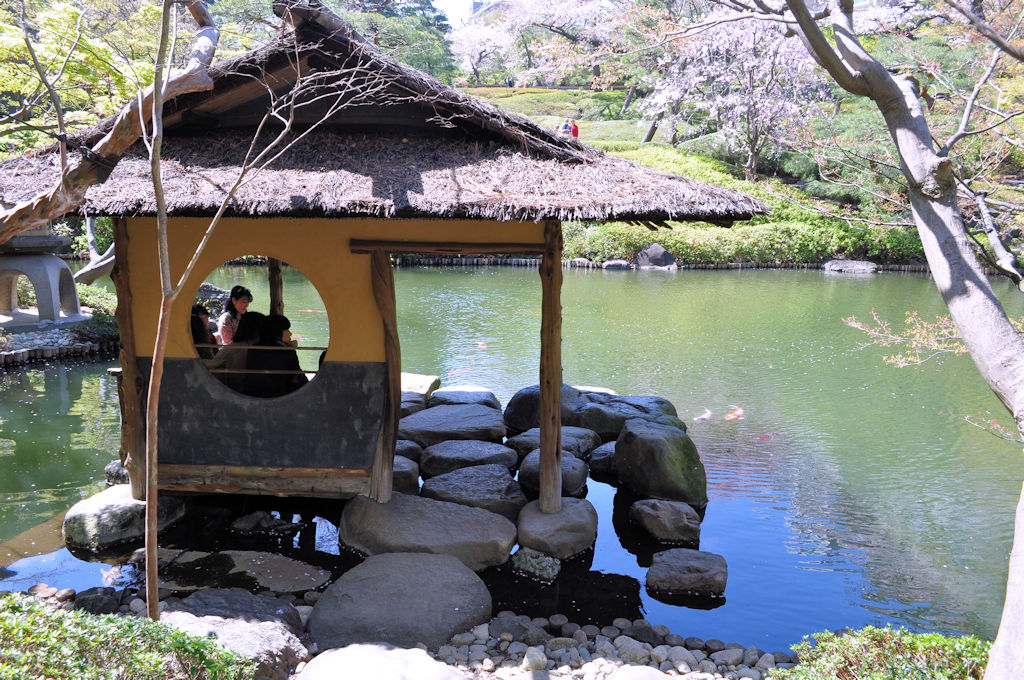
x,y
259,326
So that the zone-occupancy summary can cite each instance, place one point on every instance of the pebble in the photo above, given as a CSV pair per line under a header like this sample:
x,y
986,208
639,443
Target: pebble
x,y
590,653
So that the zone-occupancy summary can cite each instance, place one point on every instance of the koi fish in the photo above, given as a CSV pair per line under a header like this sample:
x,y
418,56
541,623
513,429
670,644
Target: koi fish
x,y
457,371
736,414
481,344
315,311
766,437
703,417
296,336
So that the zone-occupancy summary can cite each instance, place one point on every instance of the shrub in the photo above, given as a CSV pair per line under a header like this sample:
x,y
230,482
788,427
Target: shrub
x,y
888,654
41,641
96,298
101,327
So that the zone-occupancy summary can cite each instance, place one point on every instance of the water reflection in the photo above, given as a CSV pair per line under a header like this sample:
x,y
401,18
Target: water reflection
x,y
59,426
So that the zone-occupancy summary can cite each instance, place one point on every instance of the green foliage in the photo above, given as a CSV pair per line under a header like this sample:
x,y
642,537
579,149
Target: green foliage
x,y
96,298
41,641
791,234
411,39
537,103
887,654
101,327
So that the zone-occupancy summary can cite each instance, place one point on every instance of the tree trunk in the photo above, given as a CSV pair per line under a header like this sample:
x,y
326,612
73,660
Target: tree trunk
x,y
651,130
997,349
629,99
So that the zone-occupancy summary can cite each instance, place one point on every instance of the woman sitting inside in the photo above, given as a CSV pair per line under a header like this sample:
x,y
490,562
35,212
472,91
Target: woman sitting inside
x,y
235,306
282,362
233,357
201,335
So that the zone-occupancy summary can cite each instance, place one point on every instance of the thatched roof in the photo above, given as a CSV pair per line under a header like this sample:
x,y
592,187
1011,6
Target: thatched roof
x,y
371,137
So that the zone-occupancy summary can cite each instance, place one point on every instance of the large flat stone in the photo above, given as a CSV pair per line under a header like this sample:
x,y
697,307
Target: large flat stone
x,y
460,453
401,599
420,383
457,421
490,487
275,649
574,473
238,603
577,441
463,394
377,661
670,521
112,517
560,534
183,570
595,410
683,570
660,461
478,537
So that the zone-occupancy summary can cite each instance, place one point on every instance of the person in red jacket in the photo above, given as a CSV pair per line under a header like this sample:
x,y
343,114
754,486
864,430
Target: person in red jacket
x,y
575,130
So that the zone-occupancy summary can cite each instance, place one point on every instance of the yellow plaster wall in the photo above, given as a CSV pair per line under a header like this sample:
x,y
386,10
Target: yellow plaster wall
x,y
317,247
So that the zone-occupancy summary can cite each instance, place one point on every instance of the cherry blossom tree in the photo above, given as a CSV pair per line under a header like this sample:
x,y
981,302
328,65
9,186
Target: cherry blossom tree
x,y
744,80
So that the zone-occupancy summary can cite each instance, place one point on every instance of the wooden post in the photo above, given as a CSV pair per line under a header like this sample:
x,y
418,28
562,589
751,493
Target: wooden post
x,y
551,369
276,286
384,459
131,385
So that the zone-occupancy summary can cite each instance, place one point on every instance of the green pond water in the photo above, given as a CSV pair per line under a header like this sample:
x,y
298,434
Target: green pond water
x,y
849,493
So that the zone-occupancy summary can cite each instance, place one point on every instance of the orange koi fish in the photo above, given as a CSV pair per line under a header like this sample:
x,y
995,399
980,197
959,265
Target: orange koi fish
x,y
736,414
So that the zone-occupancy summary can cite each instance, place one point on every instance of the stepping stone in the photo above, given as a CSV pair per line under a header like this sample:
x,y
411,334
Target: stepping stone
x,y
574,473
560,534
378,662
456,421
682,569
659,461
460,453
595,410
112,517
400,599
409,449
478,537
265,629
411,403
602,460
194,569
406,476
575,440
672,521
463,394
490,487
421,384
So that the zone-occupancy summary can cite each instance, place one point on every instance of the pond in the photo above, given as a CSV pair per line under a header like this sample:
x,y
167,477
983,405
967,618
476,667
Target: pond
x,y
850,492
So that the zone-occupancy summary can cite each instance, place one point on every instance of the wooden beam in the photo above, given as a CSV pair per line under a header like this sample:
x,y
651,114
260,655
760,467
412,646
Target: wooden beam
x,y
276,286
131,386
264,481
551,369
453,247
383,280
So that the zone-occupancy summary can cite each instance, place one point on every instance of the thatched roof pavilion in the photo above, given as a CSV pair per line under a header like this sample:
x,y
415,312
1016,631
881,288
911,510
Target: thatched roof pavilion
x,y
367,140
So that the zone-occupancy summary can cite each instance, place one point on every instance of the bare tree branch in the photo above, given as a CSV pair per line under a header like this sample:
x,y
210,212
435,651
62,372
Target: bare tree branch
x,y
98,162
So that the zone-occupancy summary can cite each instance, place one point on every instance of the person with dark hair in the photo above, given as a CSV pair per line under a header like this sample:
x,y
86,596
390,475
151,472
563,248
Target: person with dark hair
x,y
234,356
201,335
235,306
275,333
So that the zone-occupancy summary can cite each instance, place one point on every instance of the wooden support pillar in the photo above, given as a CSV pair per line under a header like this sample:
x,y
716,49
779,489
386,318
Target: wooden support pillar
x,y
551,369
130,386
384,459
276,286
